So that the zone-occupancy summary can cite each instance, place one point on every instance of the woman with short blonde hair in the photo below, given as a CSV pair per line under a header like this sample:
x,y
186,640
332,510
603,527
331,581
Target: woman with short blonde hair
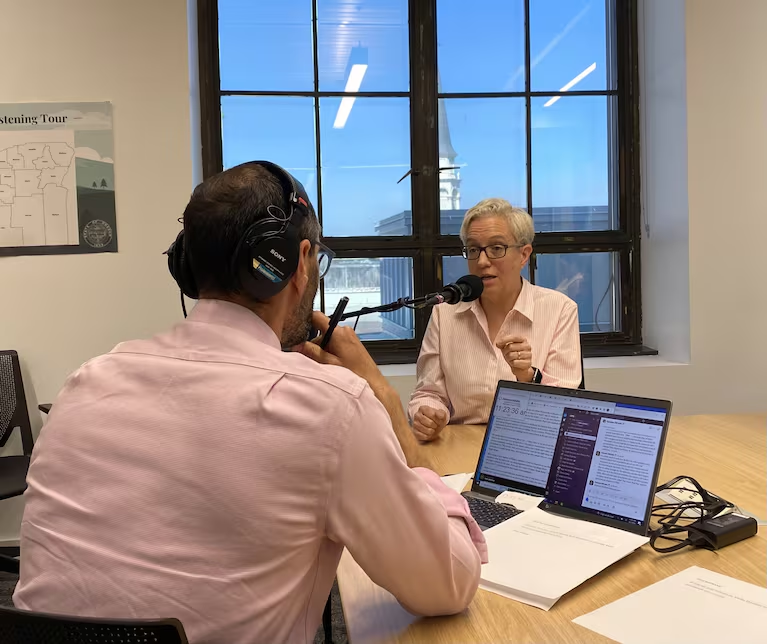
x,y
514,331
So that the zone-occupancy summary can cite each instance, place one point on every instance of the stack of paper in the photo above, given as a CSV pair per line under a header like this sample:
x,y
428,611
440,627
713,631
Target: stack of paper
x,y
536,557
695,605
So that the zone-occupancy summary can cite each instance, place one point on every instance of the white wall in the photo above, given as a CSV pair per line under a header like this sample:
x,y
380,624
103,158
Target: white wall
x,y
59,311
726,166
704,300
665,211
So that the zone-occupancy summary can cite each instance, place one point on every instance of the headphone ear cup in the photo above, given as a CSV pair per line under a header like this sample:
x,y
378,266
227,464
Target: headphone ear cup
x,y
264,266
179,268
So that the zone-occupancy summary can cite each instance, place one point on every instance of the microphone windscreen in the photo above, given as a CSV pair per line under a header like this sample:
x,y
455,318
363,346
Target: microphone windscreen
x,y
475,287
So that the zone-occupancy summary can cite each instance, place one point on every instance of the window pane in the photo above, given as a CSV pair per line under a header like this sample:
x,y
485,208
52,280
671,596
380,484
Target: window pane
x,y
371,34
361,164
271,128
265,45
481,45
372,282
571,183
455,267
592,280
485,138
567,45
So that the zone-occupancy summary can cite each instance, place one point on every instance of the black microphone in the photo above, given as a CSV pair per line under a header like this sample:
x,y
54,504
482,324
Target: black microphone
x,y
466,289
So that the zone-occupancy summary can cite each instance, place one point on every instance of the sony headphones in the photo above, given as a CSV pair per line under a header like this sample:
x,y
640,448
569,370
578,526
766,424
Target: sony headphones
x,y
266,256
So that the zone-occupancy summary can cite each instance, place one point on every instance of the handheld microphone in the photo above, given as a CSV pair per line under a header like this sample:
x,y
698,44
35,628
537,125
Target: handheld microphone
x,y
466,289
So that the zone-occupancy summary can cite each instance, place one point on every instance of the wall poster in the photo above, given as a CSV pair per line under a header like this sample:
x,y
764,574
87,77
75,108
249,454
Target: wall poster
x,y
57,179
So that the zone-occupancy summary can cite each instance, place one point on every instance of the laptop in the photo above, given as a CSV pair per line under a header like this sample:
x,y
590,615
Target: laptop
x,y
607,459
532,446
516,451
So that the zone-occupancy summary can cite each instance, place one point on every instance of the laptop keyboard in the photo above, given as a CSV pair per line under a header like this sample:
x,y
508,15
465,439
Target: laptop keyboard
x,y
487,513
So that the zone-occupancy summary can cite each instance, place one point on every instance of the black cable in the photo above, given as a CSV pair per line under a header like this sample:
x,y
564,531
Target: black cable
x,y
672,517
665,550
599,306
183,304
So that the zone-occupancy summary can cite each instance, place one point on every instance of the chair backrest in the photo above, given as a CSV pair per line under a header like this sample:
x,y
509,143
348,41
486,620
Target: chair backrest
x,y
23,627
583,372
13,402
9,564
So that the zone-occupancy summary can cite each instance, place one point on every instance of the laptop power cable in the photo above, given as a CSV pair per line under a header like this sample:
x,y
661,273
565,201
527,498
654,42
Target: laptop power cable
x,y
708,521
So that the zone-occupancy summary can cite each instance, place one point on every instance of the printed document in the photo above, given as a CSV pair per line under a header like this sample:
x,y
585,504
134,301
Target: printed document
x,y
695,605
536,557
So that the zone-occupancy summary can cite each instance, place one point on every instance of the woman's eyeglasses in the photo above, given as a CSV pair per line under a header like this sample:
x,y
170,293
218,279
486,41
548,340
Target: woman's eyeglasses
x,y
496,251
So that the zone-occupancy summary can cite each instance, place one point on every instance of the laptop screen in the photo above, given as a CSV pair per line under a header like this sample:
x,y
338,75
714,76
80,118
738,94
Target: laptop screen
x,y
606,460
521,435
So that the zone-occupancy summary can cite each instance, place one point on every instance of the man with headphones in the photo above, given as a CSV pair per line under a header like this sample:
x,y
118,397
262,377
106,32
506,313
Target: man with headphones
x,y
209,475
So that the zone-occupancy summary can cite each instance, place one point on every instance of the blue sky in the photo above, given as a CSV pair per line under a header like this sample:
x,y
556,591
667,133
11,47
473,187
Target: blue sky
x,y
268,46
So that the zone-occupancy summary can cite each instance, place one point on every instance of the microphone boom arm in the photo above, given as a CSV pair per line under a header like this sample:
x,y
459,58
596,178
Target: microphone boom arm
x,y
467,289
401,303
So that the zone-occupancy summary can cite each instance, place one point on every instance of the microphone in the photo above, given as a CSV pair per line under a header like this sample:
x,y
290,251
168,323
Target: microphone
x,y
466,289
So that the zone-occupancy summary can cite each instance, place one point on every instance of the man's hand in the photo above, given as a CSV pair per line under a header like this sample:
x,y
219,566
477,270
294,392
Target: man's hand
x,y
428,423
345,350
519,354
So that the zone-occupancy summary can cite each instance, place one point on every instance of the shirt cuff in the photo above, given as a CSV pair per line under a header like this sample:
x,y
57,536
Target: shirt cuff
x,y
455,506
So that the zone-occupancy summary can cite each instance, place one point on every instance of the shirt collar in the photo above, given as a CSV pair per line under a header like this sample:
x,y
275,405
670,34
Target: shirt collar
x,y
465,306
234,316
524,304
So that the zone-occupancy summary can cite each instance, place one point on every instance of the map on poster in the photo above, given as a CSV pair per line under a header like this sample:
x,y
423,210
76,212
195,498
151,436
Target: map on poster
x,y
56,179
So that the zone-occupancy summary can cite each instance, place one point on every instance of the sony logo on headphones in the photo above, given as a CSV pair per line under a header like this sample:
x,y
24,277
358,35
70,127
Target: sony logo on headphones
x,y
276,254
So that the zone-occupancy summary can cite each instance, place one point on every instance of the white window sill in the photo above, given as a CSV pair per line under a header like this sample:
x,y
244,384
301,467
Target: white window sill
x,y
629,362
623,362
398,370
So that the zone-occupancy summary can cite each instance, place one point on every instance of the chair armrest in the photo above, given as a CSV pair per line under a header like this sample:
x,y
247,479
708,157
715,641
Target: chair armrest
x,y
45,408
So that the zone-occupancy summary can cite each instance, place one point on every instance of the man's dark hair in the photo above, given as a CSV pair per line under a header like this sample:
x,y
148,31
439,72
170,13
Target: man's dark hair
x,y
219,212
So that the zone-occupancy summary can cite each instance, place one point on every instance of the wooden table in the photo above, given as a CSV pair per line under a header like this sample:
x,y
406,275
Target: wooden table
x,y
726,454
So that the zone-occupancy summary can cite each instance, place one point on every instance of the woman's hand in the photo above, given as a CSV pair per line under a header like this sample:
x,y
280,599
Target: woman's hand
x,y
519,354
428,423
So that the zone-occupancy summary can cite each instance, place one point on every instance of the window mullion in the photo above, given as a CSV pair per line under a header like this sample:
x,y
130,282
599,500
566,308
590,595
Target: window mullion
x,y
528,120
424,131
317,140
210,87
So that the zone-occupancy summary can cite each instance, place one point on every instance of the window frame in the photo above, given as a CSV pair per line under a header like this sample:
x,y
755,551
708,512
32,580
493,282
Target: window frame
x,y
427,245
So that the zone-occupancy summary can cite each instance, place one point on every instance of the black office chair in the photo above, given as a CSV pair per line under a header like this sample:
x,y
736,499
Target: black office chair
x,y
25,627
9,564
327,620
13,413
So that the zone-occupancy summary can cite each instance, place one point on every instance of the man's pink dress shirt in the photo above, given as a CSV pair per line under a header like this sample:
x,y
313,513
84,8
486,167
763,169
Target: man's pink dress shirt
x,y
459,365
206,475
